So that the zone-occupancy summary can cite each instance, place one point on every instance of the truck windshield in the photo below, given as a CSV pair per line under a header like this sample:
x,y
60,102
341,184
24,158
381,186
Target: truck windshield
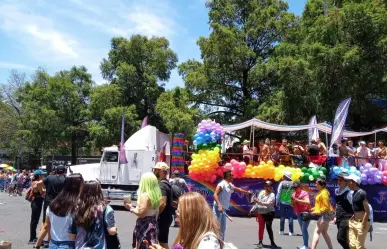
x,y
111,157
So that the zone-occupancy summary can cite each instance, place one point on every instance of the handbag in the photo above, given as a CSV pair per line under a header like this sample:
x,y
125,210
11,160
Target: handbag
x,y
306,216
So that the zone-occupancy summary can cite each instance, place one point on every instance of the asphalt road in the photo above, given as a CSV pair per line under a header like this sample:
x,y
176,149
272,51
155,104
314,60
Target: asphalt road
x,y
242,232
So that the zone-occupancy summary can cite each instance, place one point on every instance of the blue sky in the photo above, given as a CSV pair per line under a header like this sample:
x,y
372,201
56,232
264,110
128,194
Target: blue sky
x,y
58,34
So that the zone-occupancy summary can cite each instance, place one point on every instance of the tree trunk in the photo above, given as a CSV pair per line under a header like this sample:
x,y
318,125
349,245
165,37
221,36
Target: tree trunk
x,y
73,149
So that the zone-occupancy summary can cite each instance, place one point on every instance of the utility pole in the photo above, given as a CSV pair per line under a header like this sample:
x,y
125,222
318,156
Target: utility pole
x,y
325,8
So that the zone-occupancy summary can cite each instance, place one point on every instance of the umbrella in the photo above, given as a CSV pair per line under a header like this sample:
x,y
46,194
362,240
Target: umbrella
x,y
3,165
11,168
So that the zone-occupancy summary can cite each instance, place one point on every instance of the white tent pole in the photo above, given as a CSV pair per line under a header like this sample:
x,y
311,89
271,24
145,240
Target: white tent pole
x,y
375,140
326,138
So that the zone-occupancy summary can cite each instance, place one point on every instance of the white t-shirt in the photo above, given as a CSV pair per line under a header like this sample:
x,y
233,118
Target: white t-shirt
x,y
59,226
225,194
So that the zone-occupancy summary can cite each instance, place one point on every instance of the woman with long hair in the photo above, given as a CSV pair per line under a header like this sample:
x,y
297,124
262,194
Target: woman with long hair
x,y
199,227
91,217
324,209
36,194
149,195
59,214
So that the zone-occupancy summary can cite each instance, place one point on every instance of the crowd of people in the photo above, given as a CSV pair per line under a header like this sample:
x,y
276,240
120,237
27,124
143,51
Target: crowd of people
x,y
13,182
76,215
300,152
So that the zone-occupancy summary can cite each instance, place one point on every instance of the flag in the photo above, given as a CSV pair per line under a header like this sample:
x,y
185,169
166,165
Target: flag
x,y
339,122
144,122
123,159
313,133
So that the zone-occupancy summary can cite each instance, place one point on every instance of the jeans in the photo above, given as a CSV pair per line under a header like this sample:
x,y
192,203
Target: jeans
x,y
222,220
286,211
61,244
304,229
357,234
342,232
36,209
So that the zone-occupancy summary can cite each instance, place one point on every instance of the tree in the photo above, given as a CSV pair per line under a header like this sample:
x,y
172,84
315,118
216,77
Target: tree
x,y
236,74
335,56
178,116
106,113
139,66
56,108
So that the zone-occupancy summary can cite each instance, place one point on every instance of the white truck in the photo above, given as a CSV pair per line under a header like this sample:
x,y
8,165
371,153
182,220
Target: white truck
x,y
142,150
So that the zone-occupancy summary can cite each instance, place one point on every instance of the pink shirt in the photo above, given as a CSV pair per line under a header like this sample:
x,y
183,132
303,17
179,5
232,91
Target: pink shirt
x,y
300,207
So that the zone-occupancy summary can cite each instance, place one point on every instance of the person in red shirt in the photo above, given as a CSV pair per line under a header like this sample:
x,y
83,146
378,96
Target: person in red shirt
x,y
301,204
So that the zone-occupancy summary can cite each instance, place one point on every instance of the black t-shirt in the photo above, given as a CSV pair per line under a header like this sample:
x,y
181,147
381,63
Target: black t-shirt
x,y
166,190
313,150
54,184
358,197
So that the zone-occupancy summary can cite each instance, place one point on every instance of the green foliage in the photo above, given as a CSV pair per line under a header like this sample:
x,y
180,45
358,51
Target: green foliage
x,y
139,66
178,116
236,75
331,57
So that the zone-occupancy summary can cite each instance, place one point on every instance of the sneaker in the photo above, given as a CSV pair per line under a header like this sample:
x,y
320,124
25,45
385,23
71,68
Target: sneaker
x,y
291,234
32,242
302,247
273,245
281,233
260,244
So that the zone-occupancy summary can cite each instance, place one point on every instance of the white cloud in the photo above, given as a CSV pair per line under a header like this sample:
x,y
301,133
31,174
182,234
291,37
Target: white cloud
x,y
36,32
10,65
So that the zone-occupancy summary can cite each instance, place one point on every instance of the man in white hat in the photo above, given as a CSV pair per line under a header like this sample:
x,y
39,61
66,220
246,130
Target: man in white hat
x,y
363,152
284,202
359,224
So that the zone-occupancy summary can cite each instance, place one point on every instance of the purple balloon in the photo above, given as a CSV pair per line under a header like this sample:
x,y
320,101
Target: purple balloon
x,y
364,182
378,179
363,177
374,170
361,169
368,166
370,181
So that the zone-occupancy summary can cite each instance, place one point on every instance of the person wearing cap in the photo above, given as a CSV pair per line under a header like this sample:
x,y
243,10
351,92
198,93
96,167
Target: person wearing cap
x,y
53,184
359,223
301,204
37,192
264,207
246,151
343,210
222,198
322,208
166,208
284,202
182,185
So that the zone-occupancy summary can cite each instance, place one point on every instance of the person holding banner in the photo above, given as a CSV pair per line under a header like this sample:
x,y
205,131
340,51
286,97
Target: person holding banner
x,y
222,198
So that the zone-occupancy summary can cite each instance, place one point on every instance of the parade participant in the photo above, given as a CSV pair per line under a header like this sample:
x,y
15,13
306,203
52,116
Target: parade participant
x,y
53,185
351,152
222,198
264,150
284,202
264,205
323,148
59,214
364,153
298,153
149,196
343,210
166,208
12,183
182,185
92,217
381,151
37,193
285,153
20,182
313,149
359,223
246,151
324,209
301,204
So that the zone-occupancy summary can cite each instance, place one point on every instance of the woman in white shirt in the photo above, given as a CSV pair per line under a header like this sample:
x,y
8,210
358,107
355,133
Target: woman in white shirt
x,y
59,214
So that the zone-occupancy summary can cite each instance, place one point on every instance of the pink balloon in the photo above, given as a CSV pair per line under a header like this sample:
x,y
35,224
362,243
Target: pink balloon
x,y
243,164
213,178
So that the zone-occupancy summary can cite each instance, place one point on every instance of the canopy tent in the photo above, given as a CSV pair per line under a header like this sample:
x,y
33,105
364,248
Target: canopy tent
x,y
323,127
268,126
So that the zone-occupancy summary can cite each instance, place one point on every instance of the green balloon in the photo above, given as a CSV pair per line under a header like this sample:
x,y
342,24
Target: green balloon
x,y
304,169
323,169
204,146
219,146
306,176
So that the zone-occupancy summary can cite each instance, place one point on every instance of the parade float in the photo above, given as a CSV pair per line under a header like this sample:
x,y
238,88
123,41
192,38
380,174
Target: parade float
x,y
206,168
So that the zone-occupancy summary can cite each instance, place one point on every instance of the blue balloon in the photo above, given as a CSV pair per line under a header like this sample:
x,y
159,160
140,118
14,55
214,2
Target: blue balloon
x,y
201,134
196,136
207,137
199,140
213,140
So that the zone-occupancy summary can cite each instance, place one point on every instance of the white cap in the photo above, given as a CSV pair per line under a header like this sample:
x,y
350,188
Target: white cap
x,y
362,142
354,178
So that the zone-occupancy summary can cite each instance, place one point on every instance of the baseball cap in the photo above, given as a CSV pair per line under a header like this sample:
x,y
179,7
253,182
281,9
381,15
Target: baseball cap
x,y
343,174
268,183
354,178
288,175
39,172
296,184
362,142
60,169
161,165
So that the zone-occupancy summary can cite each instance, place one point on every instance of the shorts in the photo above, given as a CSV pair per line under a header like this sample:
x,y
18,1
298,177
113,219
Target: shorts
x,y
164,225
20,186
328,217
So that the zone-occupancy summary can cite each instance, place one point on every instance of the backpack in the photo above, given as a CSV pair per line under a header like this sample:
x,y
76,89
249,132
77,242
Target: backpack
x,y
173,197
177,191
